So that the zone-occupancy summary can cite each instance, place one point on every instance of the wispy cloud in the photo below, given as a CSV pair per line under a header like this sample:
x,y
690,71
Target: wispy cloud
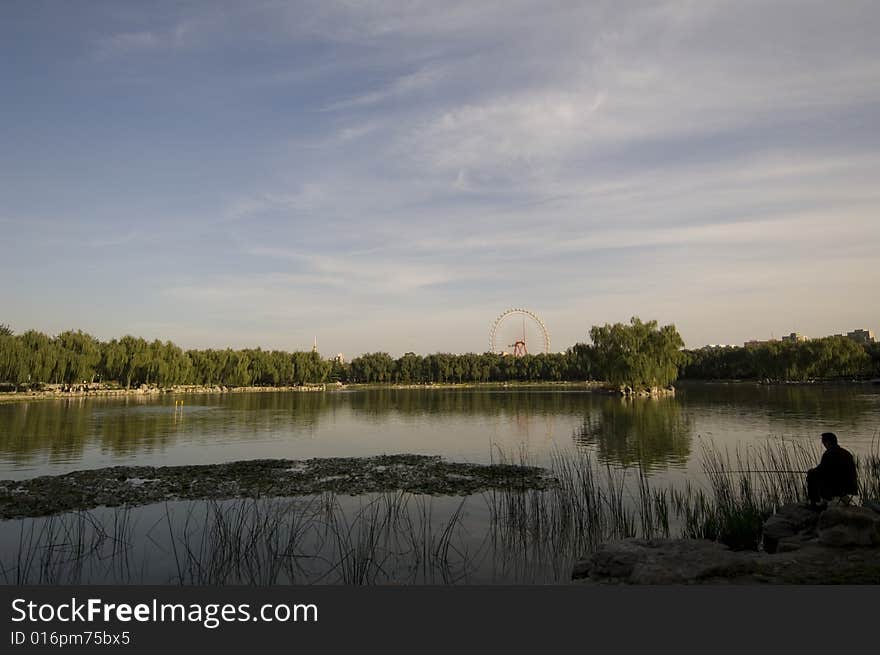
x,y
370,272
414,168
117,45
400,87
124,44
308,197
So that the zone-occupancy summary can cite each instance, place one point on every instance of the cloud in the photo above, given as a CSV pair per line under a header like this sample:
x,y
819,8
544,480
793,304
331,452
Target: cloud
x,y
369,272
122,44
109,241
383,164
308,197
404,85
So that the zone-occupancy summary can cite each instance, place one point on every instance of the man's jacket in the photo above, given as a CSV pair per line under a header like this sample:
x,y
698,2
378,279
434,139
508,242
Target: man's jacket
x,y
837,471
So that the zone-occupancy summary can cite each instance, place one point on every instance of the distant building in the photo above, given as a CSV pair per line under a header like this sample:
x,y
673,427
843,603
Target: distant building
x,y
794,337
339,359
863,337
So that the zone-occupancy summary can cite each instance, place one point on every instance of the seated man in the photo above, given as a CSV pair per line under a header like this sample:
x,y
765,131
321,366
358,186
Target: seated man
x,y
836,474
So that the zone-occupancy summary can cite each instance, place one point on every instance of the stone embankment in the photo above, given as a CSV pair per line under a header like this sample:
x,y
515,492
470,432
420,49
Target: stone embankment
x,y
653,392
625,391
840,545
99,390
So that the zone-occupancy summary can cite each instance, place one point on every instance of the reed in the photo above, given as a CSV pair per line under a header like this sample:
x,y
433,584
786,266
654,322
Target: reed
x,y
531,536
70,549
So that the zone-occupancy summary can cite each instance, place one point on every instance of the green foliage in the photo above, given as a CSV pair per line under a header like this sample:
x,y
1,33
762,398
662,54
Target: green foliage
x,y
12,360
830,357
74,357
639,355
873,352
78,357
445,368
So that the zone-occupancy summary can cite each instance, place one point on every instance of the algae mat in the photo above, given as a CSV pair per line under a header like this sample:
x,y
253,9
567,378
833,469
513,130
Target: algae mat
x,y
142,485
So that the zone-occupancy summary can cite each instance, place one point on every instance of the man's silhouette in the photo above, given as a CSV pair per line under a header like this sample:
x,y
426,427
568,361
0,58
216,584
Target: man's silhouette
x,y
836,474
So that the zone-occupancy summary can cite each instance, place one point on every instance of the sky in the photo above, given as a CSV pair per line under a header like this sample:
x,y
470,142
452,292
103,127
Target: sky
x,y
392,176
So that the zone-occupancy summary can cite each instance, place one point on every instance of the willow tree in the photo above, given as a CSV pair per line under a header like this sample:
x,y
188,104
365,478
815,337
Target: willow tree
x,y
79,357
639,355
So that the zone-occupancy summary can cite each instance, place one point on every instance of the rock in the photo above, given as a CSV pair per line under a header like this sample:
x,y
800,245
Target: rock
x,y
792,524
693,561
664,561
789,544
849,526
581,569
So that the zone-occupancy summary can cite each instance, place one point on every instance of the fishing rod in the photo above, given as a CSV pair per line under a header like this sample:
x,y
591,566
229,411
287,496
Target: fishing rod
x,y
764,471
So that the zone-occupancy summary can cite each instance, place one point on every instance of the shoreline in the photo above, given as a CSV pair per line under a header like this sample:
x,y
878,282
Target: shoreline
x,y
54,392
98,391
90,391
685,382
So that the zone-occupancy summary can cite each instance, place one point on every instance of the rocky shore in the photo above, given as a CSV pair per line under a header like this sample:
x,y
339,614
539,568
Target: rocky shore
x,y
653,392
141,485
840,545
56,391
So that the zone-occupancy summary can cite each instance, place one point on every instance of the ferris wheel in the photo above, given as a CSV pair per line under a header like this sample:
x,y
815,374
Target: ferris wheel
x,y
506,328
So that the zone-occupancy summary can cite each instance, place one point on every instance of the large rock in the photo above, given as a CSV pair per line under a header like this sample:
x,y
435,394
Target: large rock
x,y
843,526
665,561
792,526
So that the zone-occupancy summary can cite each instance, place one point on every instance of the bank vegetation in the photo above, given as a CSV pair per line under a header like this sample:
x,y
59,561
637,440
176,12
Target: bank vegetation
x,y
638,355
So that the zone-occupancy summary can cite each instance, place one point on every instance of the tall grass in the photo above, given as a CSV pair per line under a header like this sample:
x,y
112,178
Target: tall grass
x,y
70,549
590,504
746,488
392,538
593,504
403,538
869,465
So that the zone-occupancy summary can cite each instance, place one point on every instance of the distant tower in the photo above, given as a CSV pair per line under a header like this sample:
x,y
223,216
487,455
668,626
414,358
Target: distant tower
x,y
315,346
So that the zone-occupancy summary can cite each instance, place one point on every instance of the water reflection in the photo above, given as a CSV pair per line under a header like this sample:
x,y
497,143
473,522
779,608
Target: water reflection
x,y
393,538
468,402
50,437
841,403
134,424
62,430
652,433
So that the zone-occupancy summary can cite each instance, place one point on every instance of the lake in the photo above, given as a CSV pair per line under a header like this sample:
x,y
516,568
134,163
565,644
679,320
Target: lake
x,y
663,437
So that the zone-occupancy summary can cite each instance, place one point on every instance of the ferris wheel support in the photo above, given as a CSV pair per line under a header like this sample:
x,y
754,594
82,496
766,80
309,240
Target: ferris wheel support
x,y
520,345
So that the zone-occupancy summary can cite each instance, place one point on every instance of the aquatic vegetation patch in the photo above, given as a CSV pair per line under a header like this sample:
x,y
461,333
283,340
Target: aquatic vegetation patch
x,y
141,485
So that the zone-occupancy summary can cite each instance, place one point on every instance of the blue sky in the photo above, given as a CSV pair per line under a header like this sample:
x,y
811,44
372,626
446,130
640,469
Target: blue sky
x,y
393,175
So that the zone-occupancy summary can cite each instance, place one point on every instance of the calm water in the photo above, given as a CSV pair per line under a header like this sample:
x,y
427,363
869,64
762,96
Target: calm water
x,y
478,425
53,437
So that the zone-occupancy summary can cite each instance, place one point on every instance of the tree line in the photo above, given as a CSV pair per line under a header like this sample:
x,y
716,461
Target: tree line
x,y
638,354
826,358
74,357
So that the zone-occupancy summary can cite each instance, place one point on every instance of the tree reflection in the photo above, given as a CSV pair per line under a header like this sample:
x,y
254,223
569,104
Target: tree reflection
x,y
653,433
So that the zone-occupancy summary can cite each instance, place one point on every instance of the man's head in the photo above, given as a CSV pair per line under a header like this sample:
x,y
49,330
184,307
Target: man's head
x,y
829,439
